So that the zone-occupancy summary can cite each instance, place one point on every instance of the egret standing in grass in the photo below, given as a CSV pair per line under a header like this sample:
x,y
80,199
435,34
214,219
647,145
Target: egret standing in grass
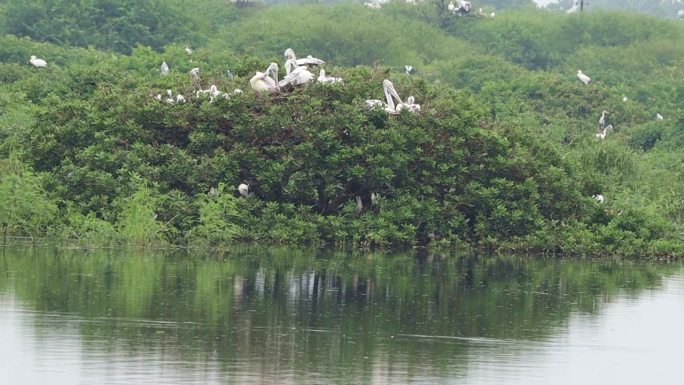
x,y
602,120
582,77
38,63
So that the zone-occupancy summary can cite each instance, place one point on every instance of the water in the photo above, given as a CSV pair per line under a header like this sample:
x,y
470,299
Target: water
x,y
294,317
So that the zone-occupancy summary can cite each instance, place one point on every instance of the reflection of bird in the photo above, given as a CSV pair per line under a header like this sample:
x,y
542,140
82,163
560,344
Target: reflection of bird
x,y
659,117
164,68
599,198
602,134
582,77
38,63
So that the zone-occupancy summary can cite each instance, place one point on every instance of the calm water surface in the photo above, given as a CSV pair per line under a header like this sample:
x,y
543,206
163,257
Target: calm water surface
x,y
294,317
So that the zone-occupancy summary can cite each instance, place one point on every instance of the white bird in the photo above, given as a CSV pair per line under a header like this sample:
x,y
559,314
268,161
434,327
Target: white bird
x,y
164,68
229,75
492,15
602,134
373,5
409,105
680,14
310,61
38,63
262,82
195,76
322,78
599,198
409,69
243,189
188,50
180,98
582,77
624,98
461,7
575,6
390,94
298,76
659,117
602,120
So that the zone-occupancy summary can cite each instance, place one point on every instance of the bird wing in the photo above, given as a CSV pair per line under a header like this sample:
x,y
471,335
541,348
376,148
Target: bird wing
x,y
309,60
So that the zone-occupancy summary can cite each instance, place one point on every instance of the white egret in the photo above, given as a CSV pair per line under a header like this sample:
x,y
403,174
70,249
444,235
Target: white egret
x,y
659,117
298,76
262,82
602,120
375,198
38,63
602,134
583,77
164,68
243,189
323,78
599,198
188,50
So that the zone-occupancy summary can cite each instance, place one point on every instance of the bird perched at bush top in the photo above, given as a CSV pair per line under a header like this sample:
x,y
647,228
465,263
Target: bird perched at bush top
x,y
582,77
38,63
164,68
243,189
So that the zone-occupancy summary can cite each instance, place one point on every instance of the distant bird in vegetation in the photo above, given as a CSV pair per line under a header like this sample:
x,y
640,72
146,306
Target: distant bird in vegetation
x,y
243,189
599,198
602,134
296,77
229,75
323,78
409,105
164,68
195,77
659,117
188,50
624,98
409,69
680,14
38,63
582,77
602,120
373,5
492,15
574,8
460,7
390,93
180,98
262,82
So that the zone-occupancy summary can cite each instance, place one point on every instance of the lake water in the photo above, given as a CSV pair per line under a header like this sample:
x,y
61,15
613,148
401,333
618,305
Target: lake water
x,y
296,317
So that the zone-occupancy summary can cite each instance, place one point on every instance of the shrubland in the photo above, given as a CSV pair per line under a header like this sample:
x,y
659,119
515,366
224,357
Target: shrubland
x,y
502,155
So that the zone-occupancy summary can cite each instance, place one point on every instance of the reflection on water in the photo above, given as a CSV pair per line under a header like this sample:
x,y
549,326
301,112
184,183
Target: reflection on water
x,y
284,316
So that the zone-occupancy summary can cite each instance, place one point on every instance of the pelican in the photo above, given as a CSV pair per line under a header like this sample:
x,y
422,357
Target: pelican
x,y
322,78
298,76
243,189
390,93
188,50
164,68
582,77
310,61
575,5
409,69
262,82
599,198
409,105
461,7
38,63
602,135
602,120
659,117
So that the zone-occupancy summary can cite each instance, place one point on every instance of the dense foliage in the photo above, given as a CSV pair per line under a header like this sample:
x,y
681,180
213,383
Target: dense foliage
x,y
505,159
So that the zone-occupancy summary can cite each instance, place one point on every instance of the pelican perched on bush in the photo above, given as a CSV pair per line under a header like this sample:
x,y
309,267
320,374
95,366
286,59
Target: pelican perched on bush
x,y
390,95
582,77
323,78
292,62
298,76
38,63
409,105
262,82
243,189
460,7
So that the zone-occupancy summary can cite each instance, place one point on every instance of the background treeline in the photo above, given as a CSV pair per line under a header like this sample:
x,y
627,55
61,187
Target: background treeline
x,y
502,155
